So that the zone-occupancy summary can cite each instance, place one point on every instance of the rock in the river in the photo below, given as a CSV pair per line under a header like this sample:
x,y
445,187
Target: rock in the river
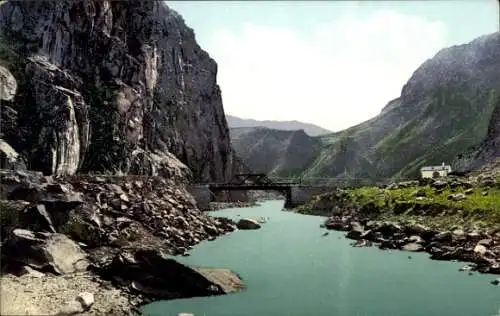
x,y
229,281
247,223
356,231
152,273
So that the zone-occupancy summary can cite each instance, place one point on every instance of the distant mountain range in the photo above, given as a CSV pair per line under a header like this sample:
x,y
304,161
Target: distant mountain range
x,y
449,110
309,129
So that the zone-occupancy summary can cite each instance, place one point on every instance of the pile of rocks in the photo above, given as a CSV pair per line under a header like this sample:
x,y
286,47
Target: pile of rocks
x,y
479,247
121,229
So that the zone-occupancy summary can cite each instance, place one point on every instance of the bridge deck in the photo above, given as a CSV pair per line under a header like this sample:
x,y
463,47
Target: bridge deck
x,y
251,186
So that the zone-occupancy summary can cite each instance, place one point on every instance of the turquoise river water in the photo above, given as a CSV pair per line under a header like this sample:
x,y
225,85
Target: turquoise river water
x,y
290,269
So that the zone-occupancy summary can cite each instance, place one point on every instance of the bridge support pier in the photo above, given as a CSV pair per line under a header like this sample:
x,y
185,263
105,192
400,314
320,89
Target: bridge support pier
x,y
289,203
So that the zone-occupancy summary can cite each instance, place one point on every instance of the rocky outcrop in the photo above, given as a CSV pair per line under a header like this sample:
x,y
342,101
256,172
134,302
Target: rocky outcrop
x,y
45,251
118,87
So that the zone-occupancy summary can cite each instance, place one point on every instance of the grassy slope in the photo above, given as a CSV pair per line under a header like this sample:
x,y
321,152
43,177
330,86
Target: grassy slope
x,y
436,210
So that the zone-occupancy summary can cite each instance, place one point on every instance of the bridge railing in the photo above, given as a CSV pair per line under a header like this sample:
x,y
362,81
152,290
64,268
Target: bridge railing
x,y
326,182
330,182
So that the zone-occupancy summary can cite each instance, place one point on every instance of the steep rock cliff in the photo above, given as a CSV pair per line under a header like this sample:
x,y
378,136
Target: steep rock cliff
x,y
111,86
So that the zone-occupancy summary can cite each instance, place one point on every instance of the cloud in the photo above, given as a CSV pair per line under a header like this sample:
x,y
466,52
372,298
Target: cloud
x,y
337,75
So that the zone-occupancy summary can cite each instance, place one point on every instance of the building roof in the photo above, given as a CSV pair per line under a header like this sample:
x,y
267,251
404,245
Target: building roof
x,y
436,168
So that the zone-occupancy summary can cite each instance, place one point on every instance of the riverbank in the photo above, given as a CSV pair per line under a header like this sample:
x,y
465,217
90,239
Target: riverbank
x,y
216,206
112,237
451,219
253,198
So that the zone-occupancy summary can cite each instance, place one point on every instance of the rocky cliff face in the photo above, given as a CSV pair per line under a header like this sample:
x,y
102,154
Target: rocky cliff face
x,y
111,86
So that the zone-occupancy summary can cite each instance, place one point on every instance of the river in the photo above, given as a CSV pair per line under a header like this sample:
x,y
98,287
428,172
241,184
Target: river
x,y
290,269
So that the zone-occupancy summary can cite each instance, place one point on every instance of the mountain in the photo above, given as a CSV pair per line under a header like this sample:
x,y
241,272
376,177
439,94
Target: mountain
x,y
449,106
116,87
274,152
309,129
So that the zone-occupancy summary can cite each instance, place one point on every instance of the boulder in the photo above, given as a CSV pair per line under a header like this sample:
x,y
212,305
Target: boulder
x,y
485,242
78,305
457,197
336,223
45,251
413,247
439,184
419,193
480,249
389,229
443,237
86,299
356,231
247,223
415,239
152,273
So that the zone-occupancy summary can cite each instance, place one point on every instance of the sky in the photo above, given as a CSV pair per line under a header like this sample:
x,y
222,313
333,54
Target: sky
x,y
331,63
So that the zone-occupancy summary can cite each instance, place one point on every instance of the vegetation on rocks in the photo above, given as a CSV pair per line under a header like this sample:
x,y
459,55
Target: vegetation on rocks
x,y
474,200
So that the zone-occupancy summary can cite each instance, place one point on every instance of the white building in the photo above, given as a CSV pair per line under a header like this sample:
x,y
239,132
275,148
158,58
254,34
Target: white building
x,y
435,171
